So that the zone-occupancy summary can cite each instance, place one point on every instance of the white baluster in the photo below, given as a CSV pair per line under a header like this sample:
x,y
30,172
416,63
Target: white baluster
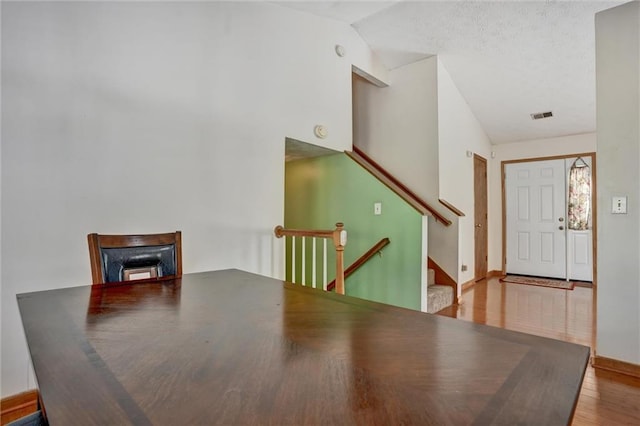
x,y
303,255
293,259
313,264
324,265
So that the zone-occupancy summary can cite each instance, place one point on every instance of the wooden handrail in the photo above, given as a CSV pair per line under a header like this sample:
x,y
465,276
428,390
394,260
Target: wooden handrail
x,y
399,185
451,207
361,260
339,238
282,232
388,183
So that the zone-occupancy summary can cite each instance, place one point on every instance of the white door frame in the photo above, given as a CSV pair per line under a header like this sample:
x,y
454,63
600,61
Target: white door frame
x,y
594,246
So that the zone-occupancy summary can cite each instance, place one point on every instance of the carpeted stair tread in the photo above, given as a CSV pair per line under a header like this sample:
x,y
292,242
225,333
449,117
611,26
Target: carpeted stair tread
x,y
439,297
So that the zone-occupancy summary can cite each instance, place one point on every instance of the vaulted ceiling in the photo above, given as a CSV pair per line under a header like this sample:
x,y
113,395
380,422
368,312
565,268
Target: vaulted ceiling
x,y
509,59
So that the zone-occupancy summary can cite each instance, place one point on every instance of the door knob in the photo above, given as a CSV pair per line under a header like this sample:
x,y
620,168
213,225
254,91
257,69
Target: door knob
x,y
478,225
561,227
561,219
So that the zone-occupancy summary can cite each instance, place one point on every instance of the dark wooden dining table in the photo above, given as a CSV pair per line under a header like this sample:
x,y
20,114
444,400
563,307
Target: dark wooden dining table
x,y
231,347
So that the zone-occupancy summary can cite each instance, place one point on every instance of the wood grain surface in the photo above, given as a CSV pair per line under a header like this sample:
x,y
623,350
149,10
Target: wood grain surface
x,y
606,398
230,347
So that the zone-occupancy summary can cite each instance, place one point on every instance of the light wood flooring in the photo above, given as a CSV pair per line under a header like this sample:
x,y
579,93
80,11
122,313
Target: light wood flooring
x,y
606,398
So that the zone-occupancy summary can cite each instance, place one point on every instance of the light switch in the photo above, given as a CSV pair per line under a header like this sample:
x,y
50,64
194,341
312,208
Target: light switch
x,y
619,205
377,209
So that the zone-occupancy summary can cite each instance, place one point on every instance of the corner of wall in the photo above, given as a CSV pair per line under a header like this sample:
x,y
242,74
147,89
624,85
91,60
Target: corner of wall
x,y
618,138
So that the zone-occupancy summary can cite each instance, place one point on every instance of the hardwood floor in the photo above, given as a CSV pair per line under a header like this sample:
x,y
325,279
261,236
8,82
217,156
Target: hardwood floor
x,y
606,398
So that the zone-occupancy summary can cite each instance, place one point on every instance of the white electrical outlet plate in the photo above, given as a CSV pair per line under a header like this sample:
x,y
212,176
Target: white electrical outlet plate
x,y
619,205
377,209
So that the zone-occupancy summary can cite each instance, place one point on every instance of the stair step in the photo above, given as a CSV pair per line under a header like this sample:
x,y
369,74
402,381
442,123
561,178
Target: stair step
x,y
439,297
431,277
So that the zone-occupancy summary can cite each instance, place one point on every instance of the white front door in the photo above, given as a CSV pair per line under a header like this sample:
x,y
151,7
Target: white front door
x,y
535,210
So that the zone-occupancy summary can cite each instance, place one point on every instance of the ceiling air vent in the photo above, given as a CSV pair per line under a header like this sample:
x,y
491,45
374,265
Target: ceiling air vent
x,y
541,115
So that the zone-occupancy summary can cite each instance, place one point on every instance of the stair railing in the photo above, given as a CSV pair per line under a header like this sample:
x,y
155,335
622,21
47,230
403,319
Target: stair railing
x,y
376,248
370,165
339,238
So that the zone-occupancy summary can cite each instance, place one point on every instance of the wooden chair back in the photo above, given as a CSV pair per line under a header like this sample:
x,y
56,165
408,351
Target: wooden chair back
x,y
116,258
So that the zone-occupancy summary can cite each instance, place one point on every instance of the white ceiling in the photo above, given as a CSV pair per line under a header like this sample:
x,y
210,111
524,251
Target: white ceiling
x,y
509,59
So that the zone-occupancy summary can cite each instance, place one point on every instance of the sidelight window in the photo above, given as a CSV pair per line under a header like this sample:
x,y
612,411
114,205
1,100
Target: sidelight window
x,y
579,206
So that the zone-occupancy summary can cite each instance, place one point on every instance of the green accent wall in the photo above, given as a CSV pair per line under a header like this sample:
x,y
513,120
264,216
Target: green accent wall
x,y
322,191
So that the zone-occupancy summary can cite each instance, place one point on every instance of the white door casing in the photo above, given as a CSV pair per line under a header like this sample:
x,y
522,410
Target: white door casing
x,y
536,218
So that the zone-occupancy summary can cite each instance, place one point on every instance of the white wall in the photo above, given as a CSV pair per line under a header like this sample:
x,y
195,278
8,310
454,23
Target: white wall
x,y
459,131
444,245
537,148
398,125
152,117
618,164
1,303
420,128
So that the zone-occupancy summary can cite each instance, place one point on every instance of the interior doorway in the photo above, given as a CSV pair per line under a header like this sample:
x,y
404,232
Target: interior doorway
x,y
547,221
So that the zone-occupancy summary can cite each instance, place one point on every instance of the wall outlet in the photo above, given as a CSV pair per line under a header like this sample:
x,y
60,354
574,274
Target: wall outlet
x,y
463,268
377,209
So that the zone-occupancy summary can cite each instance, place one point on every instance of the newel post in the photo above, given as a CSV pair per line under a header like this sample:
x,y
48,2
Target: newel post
x,y
339,241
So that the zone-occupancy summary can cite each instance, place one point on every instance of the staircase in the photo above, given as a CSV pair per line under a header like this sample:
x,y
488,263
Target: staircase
x,y
438,296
